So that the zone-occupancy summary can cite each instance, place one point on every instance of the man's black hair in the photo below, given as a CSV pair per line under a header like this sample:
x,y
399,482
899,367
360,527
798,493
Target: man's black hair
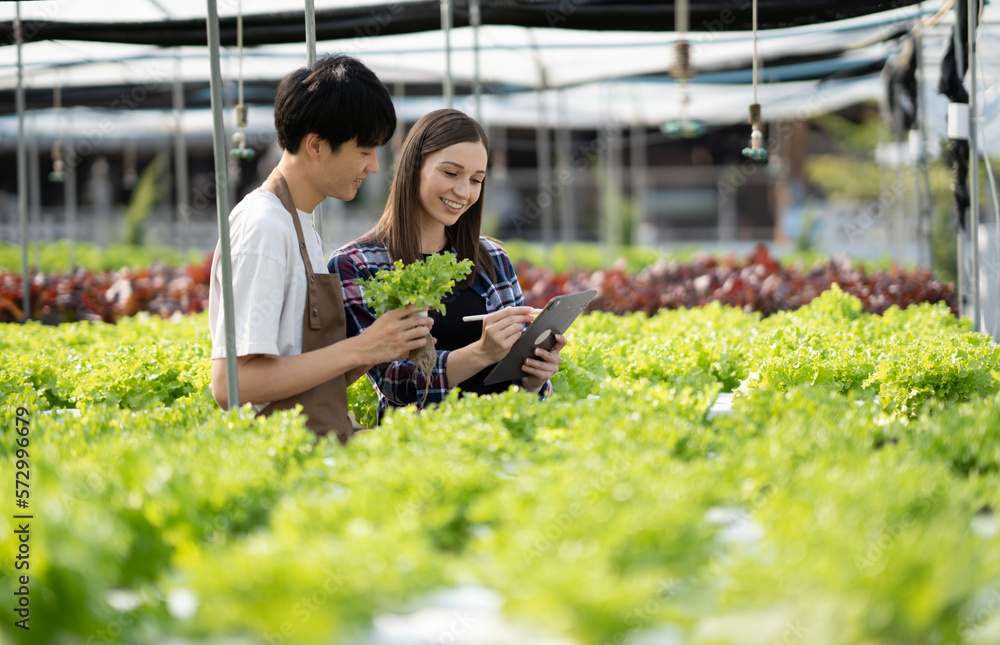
x,y
339,99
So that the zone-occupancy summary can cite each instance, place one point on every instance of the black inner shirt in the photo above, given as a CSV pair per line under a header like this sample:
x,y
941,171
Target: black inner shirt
x,y
451,333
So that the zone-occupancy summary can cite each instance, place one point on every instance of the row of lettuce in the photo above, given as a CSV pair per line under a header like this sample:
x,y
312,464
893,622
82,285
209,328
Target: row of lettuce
x,y
849,496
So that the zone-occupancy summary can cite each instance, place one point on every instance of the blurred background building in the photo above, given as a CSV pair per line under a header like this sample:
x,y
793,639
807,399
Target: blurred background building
x,y
578,97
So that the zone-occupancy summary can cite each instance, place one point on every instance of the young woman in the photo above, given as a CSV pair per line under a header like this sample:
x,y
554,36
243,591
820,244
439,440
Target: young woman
x,y
435,205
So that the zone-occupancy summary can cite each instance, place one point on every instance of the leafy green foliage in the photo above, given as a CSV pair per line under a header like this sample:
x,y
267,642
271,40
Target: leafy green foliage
x,y
139,363
618,509
124,493
831,344
563,257
64,255
423,283
363,402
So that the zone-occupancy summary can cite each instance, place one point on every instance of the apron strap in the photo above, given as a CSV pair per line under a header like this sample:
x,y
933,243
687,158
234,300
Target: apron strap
x,y
276,184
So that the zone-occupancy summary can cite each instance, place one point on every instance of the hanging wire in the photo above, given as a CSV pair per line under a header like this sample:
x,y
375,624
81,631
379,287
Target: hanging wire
x,y
240,138
755,51
239,46
756,150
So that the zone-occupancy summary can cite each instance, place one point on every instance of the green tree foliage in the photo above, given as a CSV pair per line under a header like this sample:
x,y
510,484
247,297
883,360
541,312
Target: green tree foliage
x,y
145,197
850,174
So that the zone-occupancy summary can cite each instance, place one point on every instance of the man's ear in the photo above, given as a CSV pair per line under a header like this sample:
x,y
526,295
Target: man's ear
x,y
312,143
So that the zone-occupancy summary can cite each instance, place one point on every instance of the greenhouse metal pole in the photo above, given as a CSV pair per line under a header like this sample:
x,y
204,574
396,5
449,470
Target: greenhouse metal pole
x,y
181,161
640,181
310,32
69,196
310,61
22,169
474,20
924,198
565,173
963,286
34,193
398,95
222,203
899,198
543,158
448,86
973,16
610,233
612,184
545,184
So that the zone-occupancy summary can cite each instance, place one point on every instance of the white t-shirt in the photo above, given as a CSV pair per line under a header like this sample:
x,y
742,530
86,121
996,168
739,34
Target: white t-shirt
x,y
269,281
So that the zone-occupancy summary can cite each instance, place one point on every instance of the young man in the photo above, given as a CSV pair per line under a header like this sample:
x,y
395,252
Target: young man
x,y
291,343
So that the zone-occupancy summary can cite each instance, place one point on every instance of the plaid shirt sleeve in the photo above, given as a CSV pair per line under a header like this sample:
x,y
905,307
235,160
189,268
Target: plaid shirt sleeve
x,y
397,383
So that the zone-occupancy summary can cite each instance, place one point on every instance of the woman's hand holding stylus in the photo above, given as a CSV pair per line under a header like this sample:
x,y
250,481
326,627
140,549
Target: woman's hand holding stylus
x,y
501,329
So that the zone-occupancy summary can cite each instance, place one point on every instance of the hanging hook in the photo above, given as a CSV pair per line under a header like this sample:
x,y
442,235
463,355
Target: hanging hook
x,y
240,138
682,71
756,150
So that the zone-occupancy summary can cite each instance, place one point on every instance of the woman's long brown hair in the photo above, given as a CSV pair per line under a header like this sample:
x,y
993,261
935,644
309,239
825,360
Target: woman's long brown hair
x,y
399,227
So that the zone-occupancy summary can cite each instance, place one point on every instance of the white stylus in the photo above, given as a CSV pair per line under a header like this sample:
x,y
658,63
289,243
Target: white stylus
x,y
533,312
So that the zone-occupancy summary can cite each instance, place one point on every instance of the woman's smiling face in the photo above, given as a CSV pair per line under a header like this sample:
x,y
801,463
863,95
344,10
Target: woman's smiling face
x,y
451,180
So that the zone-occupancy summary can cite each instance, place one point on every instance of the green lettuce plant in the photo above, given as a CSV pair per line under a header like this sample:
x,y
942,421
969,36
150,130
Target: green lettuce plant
x,y
423,283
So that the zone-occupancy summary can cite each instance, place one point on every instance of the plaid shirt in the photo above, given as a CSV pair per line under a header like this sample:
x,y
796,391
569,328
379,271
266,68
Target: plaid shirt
x,y
399,383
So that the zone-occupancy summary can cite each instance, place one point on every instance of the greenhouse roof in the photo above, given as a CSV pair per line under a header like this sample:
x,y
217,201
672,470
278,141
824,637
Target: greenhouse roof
x,y
602,63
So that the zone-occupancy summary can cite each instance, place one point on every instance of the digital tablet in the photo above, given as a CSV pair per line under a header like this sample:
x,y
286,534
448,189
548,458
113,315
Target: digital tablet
x,y
556,317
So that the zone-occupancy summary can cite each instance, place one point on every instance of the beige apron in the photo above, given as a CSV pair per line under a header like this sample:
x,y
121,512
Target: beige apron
x,y
324,323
